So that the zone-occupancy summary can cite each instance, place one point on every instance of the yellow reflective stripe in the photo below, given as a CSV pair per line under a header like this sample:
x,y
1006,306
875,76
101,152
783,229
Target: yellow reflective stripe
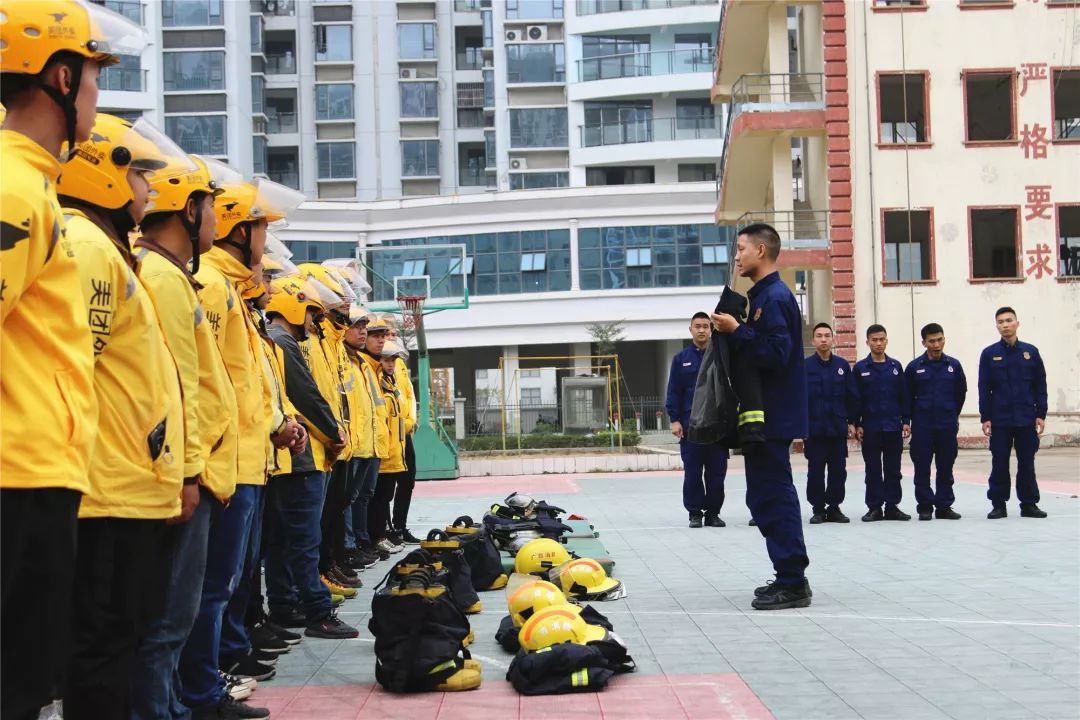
x,y
752,416
442,666
580,678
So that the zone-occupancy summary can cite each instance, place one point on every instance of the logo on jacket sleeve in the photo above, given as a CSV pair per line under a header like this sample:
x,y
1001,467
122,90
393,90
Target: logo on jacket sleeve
x,y
951,369
895,371
839,371
757,314
1027,355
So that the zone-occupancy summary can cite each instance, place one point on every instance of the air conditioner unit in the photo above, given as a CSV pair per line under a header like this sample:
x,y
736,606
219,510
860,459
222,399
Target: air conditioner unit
x,y
512,35
408,74
536,33
519,164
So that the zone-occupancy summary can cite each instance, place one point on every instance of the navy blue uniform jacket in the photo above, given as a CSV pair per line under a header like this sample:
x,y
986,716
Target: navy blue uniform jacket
x,y
830,394
883,402
938,389
772,335
680,384
1012,384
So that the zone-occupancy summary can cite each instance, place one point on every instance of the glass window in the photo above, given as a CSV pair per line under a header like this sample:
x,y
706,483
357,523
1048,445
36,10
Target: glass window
x,y
646,256
615,56
537,180
693,52
258,154
907,245
256,33
1069,240
416,41
695,114
333,43
419,158
1066,95
617,122
529,396
714,255
203,134
197,70
533,262
535,63
131,9
414,268
534,9
334,102
419,99
489,88
638,257
620,175
258,91
127,75
902,104
337,160
191,13
697,172
539,127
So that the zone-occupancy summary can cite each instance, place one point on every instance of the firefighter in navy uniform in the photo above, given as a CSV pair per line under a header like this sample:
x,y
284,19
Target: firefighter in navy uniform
x,y
938,388
881,424
704,466
830,392
1012,406
773,337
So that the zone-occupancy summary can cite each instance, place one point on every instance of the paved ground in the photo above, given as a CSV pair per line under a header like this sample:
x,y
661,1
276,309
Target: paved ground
x,y
968,619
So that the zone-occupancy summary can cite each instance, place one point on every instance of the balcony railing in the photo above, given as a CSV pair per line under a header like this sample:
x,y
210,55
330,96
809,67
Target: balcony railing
x,y
645,64
280,122
280,64
798,229
597,7
472,177
648,130
123,79
719,36
285,177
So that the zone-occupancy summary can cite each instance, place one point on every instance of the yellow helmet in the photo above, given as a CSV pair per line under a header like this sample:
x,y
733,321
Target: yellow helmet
x,y
352,273
171,191
97,171
585,579
555,625
290,297
253,201
539,555
376,323
31,32
531,598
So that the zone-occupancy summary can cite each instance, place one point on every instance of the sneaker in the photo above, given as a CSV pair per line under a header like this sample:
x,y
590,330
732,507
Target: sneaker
x,y
336,589
997,513
1031,510
346,572
713,520
266,640
947,514
239,680
229,709
767,588
408,538
249,666
835,515
695,520
873,515
926,514
336,599
818,517
389,547
293,618
236,688
287,637
783,597
894,513
336,576
360,560
331,627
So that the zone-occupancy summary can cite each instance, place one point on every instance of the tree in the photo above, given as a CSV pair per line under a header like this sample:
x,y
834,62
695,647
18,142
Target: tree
x,y
606,335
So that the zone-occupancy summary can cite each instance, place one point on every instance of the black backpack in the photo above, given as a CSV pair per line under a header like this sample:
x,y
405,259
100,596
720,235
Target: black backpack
x,y
459,575
480,552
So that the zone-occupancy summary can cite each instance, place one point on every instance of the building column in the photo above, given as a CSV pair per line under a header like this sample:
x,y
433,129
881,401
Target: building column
x,y
582,364
575,273
783,200
778,41
510,389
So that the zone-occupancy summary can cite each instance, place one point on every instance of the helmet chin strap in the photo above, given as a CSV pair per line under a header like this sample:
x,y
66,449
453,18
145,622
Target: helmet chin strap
x,y
245,247
67,102
193,234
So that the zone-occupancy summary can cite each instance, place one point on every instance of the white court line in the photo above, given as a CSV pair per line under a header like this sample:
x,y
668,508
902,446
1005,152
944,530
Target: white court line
x,y
482,658
737,523
829,616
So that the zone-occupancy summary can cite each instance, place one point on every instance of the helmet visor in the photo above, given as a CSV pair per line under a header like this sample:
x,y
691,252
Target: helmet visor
x,y
352,272
222,175
278,254
112,34
274,201
346,287
322,294
154,151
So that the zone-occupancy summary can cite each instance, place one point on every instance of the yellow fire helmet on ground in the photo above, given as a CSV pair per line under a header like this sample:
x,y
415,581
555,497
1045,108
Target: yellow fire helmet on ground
x,y
531,598
585,579
540,555
555,625
290,297
97,171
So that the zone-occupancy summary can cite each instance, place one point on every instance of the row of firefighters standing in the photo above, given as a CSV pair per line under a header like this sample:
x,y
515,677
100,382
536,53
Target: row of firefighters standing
x,y
174,391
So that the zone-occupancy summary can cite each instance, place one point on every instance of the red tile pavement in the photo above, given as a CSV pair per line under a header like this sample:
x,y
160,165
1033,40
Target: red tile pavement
x,y
716,696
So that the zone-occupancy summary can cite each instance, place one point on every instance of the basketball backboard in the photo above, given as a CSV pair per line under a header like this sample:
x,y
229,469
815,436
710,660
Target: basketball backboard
x,y
439,273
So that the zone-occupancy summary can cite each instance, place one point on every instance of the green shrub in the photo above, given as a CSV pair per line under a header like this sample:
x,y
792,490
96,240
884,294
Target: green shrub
x,y
543,441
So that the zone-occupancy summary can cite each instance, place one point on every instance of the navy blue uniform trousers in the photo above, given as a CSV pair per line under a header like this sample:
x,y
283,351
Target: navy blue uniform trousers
x,y
704,470
774,504
940,447
1002,440
881,453
821,453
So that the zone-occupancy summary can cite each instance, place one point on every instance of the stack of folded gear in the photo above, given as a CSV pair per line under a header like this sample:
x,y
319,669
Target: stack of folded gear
x,y
480,552
420,633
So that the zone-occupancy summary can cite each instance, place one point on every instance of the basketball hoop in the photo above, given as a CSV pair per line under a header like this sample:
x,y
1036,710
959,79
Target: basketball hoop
x,y
412,310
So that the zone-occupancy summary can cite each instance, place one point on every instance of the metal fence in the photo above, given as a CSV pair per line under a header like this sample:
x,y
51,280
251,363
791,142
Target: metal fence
x,y
642,414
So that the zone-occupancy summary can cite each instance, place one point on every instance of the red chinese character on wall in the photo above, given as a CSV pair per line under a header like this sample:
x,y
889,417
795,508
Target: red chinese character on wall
x,y
1031,71
1039,261
1038,202
1034,141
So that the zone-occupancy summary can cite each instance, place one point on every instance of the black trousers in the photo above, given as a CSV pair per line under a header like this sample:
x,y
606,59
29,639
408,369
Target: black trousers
x,y
37,568
379,508
405,484
122,573
332,545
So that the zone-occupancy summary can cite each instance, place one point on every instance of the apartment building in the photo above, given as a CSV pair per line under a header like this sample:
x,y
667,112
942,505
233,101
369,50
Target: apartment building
x,y
921,165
